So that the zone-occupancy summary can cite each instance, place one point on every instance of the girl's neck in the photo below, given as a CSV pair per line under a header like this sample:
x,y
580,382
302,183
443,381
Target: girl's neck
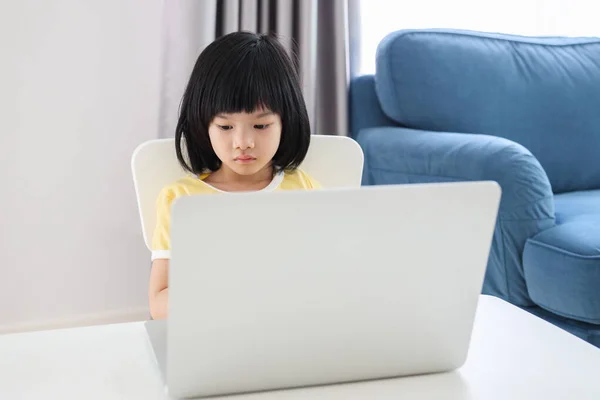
x,y
228,180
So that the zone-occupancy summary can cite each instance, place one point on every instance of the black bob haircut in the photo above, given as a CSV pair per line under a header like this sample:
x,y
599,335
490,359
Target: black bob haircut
x,y
242,72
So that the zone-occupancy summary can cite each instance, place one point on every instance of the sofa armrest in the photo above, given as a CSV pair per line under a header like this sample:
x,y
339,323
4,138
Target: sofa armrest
x,y
400,155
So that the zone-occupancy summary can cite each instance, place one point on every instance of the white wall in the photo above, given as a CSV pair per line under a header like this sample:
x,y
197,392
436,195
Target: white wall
x,y
79,90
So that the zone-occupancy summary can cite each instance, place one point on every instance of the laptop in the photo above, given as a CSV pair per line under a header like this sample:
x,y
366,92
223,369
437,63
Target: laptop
x,y
292,289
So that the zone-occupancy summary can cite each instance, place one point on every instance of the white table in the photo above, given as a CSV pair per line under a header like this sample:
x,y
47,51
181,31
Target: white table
x,y
513,355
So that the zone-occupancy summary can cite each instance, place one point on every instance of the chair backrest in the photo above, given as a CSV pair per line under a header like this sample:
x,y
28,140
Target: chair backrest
x,y
334,161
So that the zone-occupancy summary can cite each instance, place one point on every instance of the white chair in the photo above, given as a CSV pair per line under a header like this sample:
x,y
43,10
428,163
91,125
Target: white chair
x,y
334,161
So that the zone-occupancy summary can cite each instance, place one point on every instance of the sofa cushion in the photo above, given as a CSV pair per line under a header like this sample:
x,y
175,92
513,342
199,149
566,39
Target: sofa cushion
x,y
576,205
562,264
543,93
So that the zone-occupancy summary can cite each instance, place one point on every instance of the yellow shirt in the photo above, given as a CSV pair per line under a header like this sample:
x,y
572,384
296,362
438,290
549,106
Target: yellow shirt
x,y
193,185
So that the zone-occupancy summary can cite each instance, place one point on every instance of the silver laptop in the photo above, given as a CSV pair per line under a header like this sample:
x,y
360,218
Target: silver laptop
x,y
289,289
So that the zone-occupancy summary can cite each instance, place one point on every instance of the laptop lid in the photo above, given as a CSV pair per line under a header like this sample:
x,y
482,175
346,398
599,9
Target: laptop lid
x,y
288,289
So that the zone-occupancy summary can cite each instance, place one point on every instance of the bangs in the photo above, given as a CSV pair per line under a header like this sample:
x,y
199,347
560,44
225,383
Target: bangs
x,y
247,81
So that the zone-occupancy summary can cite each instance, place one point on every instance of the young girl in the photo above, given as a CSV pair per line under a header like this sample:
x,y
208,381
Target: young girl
x,y
244,125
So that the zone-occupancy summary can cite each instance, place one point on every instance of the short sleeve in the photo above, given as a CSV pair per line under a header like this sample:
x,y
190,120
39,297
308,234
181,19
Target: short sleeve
x,y
161,239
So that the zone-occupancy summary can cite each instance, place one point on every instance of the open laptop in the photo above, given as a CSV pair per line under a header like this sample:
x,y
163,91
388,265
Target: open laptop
x,y
290,289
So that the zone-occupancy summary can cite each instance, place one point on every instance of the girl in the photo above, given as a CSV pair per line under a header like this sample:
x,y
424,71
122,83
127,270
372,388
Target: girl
x,y
244,125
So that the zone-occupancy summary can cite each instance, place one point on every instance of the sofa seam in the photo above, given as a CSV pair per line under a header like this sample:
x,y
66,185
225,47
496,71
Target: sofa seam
x,y
569,315
511,38
546,246
508,289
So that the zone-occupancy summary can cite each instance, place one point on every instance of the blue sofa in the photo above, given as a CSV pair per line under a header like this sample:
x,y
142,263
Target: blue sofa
x,y
447,105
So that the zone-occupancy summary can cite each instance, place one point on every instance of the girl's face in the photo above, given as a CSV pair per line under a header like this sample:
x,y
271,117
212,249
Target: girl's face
x,y
246,143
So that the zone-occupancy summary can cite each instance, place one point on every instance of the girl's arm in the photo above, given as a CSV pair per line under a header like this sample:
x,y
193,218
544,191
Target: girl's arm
x,y
158,291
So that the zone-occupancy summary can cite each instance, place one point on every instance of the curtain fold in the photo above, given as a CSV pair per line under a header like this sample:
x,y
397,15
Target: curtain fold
x,y
187,30
315,31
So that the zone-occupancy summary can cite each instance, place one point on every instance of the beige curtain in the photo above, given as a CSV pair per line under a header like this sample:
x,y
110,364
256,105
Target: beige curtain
x,y
317,31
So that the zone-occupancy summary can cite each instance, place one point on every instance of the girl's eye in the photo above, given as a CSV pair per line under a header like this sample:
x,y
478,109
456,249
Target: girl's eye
x,y
261,127
225,127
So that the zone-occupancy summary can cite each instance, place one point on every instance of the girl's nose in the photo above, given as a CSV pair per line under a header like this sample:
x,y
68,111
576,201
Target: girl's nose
x,y
243,140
